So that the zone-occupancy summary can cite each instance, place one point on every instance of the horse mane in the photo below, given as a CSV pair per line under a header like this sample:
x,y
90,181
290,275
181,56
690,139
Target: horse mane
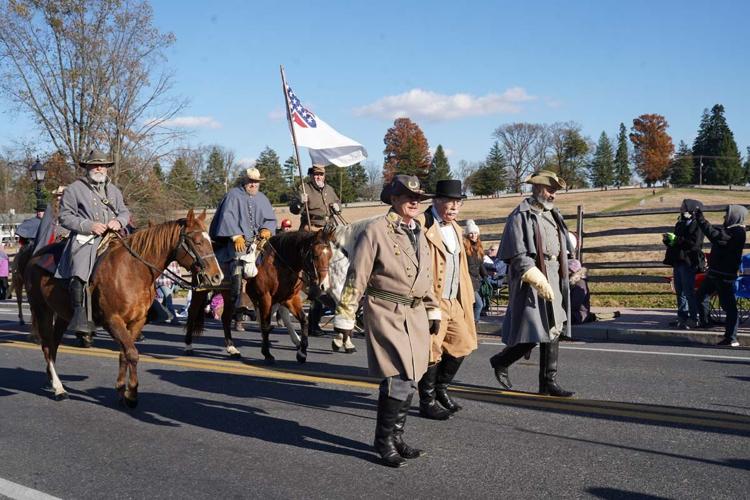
x,y
154,239
290,243
346,236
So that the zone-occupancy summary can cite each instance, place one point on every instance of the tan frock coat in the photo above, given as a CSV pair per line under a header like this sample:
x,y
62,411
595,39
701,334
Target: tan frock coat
x,y
458,334
398,335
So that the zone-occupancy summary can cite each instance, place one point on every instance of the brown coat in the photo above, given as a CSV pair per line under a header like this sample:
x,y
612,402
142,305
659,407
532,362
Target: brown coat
x,y
398,335
462,338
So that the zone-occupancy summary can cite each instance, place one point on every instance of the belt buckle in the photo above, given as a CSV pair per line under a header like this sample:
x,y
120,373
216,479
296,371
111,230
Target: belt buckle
x,y
415,302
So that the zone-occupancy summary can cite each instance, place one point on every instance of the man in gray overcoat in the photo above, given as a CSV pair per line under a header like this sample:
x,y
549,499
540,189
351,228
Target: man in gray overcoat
x,y
89,207
243,214
535,246
392,267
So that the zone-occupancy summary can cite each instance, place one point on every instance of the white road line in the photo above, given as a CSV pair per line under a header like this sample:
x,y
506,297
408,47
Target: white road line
x,y
626,351
20,492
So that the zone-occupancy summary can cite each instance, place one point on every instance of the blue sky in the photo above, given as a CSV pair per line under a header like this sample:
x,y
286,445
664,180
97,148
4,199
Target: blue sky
x,y
356,64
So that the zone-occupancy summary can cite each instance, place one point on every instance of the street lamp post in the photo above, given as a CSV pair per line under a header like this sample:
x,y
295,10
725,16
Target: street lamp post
x,y
38,172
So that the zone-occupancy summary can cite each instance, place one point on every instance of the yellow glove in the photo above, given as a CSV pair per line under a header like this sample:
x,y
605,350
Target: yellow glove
x,y
239,244
535,278
264,233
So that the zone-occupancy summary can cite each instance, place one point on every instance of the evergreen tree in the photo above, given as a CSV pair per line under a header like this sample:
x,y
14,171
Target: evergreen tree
x,y
681,170
158,172
622,161
715,151
571,161
274,186
181,183
440,169
214,181
747,166
492,176
358,181
291,172
602,166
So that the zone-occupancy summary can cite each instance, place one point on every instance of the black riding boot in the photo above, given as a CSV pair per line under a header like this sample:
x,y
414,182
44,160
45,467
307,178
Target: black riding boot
x,y
548,353
447,369
404,449
502,360
385,444
79,322
428,405
313,319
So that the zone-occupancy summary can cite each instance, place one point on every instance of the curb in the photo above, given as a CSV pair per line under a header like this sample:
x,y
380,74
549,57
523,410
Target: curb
x,y
605,333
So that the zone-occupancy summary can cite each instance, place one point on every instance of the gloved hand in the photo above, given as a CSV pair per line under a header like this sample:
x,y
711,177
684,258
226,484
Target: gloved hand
x,y
535,278
264,233
335,208
434,326
669,239
239,244
303,197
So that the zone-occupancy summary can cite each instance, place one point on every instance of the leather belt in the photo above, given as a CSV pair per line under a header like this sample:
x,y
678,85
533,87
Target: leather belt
x,y
393,297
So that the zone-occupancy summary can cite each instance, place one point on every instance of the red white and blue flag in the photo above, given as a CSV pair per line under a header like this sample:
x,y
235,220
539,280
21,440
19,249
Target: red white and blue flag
x,y
326,145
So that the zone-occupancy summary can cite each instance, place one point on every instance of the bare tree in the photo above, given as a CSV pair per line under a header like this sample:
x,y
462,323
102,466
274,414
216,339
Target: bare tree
x,y
87,71
374,180
524,146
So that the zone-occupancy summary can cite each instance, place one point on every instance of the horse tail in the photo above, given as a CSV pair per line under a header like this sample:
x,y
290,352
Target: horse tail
x,y
196,316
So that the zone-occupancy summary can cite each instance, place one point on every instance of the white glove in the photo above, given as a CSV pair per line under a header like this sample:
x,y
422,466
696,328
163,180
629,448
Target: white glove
x,y
335,208
535,278
303,198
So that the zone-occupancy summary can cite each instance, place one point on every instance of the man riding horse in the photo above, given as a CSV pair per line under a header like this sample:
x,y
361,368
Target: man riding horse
x,y
90,206
243,214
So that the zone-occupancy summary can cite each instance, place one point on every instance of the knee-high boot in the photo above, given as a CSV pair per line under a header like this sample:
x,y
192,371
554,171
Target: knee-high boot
x,y
385,445
447,369
241,301
548,354
429,407
79,322
404,449
502,360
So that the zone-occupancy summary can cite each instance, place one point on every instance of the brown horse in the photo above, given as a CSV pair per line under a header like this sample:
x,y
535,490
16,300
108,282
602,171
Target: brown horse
x,y
122,290
287,262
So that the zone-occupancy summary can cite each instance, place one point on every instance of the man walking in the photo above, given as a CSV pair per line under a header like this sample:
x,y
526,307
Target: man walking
x,y
452,286
535,246
242,214
90,206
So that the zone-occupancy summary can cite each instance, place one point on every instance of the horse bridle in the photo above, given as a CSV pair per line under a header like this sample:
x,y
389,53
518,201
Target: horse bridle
x,y
308,259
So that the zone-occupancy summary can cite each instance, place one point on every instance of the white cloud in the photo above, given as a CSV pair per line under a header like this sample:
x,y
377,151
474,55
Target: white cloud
x,y
425,104
192,122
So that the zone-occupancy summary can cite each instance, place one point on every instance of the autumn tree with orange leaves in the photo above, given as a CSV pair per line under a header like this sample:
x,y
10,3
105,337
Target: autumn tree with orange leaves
x,y
406,150
653,147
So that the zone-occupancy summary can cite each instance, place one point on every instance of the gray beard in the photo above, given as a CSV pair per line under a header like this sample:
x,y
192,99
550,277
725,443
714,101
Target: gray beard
x,y
98,177
544,203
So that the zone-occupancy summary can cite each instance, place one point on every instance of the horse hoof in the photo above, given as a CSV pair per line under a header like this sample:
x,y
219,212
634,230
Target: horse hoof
x,y
301,358
335,347
62,396
22,322
269,360
351,350
130,403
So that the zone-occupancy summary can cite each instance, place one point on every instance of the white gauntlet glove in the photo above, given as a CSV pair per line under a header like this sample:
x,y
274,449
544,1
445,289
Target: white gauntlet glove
x,y
303,198
535,278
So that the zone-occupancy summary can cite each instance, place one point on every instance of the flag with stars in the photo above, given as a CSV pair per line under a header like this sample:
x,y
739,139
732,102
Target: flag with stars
x,y
326,145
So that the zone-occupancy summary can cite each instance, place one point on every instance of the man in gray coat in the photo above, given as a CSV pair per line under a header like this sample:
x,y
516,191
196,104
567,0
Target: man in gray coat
x,y
243,214
90,206
535,246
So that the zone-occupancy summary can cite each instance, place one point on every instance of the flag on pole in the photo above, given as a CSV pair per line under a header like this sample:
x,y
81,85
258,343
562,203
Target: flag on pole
x,y
325,144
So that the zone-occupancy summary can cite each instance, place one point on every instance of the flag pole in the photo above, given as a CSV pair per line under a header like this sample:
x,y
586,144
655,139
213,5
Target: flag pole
x,y
294,141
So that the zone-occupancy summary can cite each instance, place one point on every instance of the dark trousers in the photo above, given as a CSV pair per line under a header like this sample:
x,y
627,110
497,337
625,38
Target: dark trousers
x,y
3,288
724,288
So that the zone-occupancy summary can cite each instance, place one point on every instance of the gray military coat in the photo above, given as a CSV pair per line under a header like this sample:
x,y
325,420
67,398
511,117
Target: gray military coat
x,y
80,207
398,335
239,213
526,319
49,230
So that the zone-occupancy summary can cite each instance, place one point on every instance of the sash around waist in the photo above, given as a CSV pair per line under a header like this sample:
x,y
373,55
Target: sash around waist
x,y
393,297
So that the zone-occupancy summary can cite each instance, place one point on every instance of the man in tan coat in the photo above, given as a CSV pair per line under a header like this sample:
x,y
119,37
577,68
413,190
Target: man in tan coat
x,y
457,336
391,266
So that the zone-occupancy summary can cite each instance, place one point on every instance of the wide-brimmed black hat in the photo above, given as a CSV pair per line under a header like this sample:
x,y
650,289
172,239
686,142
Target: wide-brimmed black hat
x,y
403,184
95,158
449,188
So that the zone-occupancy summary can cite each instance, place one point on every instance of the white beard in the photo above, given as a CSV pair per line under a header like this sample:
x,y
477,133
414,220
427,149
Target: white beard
x,y
320,184
548,205
98,177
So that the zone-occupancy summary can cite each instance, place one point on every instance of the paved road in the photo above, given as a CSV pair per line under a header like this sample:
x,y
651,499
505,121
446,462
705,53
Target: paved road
x,y
665,421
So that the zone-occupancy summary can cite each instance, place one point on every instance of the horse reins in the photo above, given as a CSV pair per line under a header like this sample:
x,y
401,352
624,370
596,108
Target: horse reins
x,y
304,259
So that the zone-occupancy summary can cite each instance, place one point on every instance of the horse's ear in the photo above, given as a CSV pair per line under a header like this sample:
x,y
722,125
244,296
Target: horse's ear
x,y
190,217
202,216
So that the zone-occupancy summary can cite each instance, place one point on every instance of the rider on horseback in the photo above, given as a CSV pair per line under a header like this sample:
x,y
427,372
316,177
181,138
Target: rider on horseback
x,y
89,207
243,214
